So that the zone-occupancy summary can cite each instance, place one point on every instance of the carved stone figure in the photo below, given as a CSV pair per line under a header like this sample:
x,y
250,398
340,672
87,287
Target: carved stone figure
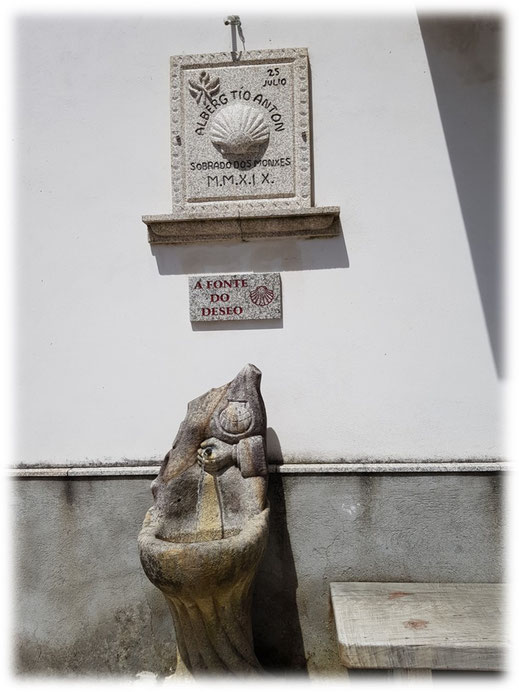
x,y
202,540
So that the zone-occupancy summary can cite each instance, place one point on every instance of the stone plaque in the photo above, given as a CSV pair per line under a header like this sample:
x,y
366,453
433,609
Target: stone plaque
x,y
240,151
240,132
234,297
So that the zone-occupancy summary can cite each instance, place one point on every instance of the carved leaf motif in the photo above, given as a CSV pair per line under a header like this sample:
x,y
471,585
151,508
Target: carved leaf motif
x,y
213,86
206,88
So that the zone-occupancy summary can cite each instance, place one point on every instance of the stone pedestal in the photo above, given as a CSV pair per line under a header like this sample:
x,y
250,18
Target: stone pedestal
x,y
208,588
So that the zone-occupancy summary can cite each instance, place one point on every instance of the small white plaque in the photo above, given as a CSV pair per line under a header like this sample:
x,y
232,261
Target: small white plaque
x,y
234,297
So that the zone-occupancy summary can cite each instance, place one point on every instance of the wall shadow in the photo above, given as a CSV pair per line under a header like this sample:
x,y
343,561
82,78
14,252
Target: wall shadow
x,y
274,452
235,325
278,639
283,254
464,56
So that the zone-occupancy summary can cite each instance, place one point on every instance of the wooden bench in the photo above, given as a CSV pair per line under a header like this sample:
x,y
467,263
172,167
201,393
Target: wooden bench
x,y
415,628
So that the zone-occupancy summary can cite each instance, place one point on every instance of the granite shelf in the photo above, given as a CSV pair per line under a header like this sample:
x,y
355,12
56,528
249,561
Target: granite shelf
x,y
309,222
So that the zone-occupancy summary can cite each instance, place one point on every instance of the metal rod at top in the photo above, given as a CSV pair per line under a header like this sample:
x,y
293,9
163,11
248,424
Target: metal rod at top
x,y
235,23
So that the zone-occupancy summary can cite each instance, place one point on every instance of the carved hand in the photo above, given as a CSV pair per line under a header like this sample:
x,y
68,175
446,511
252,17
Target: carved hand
x,y
214,455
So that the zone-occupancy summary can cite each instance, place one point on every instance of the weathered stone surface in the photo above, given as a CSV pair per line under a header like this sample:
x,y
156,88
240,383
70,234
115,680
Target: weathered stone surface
x,y
234,297
308,222
202,541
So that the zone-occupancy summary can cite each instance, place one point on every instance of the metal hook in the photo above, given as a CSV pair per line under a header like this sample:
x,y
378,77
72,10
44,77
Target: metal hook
x,y
235,23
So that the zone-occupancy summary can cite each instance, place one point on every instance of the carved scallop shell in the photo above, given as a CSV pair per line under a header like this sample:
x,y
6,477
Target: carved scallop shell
x,y
262,295
239,129
236,417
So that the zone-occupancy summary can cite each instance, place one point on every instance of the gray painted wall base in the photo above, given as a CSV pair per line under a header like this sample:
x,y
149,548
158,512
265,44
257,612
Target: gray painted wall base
x,y
84,606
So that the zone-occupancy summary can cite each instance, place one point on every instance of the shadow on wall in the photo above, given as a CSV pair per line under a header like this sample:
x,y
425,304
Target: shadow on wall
x,y
278,640
274,452
231,325
285,254
464,56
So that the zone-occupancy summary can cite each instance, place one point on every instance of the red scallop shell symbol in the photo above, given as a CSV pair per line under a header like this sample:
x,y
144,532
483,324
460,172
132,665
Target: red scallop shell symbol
x,y
262,295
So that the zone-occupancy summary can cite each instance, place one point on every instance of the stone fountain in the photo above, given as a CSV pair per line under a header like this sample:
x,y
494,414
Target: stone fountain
x,y
203,539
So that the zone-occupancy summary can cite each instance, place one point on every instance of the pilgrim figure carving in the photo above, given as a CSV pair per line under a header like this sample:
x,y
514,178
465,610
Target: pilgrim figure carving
x,y
203,539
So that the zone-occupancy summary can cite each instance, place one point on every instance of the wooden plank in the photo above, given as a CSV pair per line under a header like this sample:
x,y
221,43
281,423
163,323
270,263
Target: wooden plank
x,y
419,625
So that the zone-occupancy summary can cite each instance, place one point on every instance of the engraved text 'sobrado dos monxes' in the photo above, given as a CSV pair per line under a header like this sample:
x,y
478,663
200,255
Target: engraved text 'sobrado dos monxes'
x,y
240,130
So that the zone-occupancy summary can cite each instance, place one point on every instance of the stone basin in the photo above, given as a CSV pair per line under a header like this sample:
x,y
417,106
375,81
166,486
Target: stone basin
x,y
181,569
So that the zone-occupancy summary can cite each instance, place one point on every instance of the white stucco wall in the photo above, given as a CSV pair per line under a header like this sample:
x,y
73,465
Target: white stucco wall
x,y
383,351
